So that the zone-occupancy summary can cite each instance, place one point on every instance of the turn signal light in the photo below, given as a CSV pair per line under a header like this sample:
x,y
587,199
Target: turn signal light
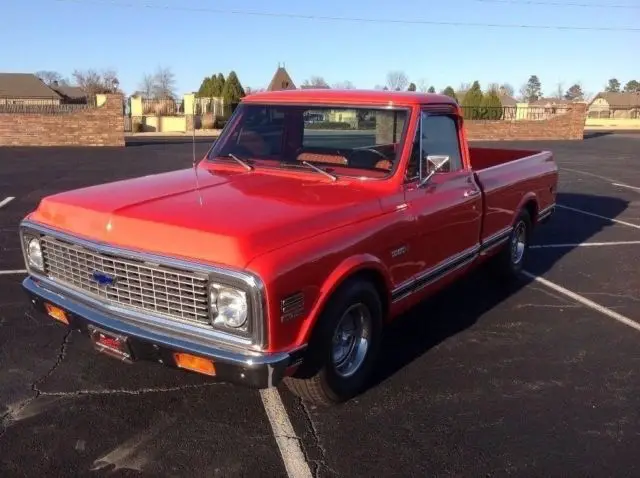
x,y
194,363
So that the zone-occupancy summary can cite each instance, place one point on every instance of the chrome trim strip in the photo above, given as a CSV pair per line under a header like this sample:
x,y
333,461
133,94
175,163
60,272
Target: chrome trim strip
x,y
497,236
244,358
434,274
489,247
449,265
251,282
547,211
457,266
496,239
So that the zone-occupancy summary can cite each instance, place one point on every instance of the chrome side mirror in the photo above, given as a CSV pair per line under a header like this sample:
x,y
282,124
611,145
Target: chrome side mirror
x,y
438,162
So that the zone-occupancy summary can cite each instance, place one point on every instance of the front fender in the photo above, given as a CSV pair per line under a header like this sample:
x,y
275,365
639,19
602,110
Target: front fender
x,y
346,269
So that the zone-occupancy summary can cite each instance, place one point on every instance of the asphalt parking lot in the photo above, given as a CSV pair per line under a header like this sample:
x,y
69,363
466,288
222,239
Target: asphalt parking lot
x,y
479,381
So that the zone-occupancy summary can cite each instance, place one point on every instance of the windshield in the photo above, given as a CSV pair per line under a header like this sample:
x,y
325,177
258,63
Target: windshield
x,y
343,140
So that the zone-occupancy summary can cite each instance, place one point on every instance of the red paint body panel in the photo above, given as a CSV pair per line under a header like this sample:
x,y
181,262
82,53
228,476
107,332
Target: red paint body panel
x,y
299,231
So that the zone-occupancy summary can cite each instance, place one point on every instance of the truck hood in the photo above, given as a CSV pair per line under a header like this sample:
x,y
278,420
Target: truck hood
x,y
231,218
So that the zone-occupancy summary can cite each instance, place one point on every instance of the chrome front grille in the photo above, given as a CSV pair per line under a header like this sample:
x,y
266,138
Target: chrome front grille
x,y
161,290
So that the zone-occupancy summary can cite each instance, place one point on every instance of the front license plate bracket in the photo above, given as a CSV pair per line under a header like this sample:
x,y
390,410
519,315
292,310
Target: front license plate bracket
x,y
110,343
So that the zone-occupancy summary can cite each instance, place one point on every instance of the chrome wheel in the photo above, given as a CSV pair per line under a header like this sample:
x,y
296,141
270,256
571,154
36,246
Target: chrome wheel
x,y
351,340
518,242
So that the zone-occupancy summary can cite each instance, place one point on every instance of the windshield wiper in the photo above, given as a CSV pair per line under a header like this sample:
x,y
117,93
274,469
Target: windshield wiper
x,y
320,170
237,160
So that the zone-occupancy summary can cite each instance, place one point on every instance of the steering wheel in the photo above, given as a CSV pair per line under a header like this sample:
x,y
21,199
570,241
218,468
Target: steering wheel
x,y
365,148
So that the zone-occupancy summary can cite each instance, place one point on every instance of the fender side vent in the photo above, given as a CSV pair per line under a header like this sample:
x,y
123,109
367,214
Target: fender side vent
x,y
292,306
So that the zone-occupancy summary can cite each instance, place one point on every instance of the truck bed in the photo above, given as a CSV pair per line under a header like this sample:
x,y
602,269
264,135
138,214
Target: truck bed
x,y
483,158
510,178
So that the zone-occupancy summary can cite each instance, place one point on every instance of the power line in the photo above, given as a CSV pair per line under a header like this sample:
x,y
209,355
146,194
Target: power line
x,y
348,19
560,4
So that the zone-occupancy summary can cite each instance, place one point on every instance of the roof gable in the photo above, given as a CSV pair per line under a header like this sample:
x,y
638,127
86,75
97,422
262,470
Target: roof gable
x,y
281,81
24,85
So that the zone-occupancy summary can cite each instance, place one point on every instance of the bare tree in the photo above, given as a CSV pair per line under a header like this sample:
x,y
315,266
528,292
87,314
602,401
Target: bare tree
x,y
147,85
422,85
164,83
344,85
93,82
397,80
315,82
51,77
559,93
506,89
522,93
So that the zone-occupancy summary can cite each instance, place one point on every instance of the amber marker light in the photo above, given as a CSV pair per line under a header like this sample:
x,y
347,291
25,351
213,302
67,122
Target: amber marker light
x,y
194,363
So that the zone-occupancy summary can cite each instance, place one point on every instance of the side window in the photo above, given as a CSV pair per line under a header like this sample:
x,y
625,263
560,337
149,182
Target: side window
x,y
440,136
413,167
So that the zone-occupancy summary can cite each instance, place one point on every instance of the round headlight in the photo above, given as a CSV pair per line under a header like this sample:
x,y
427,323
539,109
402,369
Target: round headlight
x,y
229,306
34,254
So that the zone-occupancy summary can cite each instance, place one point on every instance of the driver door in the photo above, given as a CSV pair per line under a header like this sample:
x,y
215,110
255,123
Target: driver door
x,y
447,209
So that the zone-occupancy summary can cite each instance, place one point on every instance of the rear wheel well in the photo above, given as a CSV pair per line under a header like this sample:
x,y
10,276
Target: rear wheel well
x,y
532,208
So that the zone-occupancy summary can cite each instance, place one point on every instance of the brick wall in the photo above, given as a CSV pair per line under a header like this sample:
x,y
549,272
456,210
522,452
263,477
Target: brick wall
x,y
566,126
101,126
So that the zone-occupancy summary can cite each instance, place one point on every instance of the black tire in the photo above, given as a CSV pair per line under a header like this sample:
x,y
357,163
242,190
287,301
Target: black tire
x,y
508,265
317,380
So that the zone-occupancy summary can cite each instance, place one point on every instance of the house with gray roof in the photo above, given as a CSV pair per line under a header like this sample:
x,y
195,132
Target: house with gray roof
x,y
615,105
26,89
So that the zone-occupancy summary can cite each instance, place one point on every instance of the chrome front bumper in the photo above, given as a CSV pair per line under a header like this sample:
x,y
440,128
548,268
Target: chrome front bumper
x,y
252,369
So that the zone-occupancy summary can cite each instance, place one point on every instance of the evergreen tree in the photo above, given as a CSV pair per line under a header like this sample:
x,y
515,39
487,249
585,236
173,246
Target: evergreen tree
x,y
412,87
205,87
574,93
449,91
491,105
431,89
472,102
217,84
613,86
532,90
232,90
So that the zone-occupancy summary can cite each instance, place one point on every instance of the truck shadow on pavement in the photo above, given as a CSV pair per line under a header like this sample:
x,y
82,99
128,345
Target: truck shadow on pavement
x,y
444,315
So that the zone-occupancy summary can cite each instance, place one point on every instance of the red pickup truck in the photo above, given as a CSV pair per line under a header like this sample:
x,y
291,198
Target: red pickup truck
x,y
317,217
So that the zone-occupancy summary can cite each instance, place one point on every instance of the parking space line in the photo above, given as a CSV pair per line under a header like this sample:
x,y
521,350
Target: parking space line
x,y
626,186
604,178
584,301
614,182
617,221
585,244
6,201
16,271
286,438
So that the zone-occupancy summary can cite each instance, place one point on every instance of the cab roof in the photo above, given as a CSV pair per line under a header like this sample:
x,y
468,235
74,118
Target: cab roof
x,y
327,95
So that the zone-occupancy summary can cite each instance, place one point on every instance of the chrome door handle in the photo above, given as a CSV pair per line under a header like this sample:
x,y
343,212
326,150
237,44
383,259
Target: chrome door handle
x,y
471,192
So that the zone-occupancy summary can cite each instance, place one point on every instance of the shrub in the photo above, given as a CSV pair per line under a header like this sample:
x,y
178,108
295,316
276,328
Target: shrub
x,y
472,102
491,106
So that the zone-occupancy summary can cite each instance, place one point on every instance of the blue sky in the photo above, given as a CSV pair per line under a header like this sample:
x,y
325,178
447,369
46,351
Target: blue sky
x,y
63,35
